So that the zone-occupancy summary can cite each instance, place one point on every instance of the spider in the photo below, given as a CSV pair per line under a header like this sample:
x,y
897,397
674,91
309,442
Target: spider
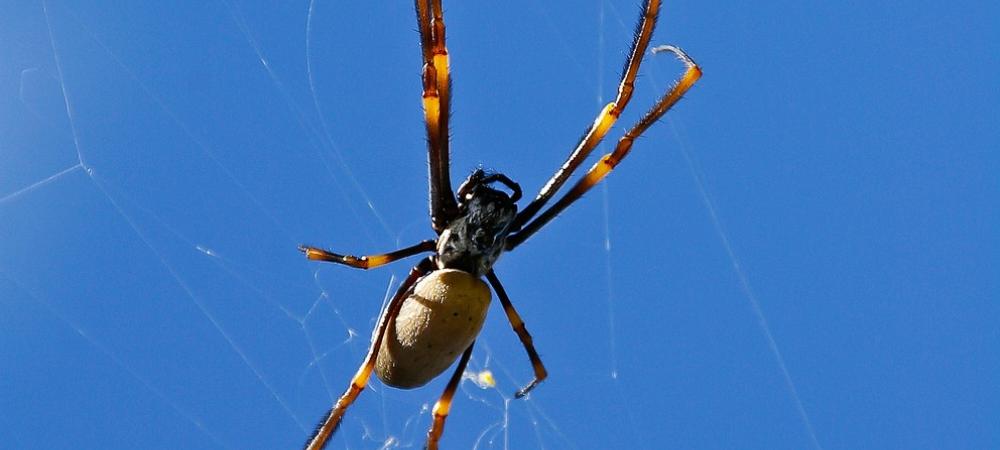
x,y
438,310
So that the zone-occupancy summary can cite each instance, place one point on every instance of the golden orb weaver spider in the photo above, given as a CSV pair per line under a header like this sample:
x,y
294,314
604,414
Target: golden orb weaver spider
x,y
439,308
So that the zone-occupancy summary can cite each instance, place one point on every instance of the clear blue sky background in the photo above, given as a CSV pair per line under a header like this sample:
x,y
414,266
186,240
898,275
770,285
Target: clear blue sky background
x,y
151,294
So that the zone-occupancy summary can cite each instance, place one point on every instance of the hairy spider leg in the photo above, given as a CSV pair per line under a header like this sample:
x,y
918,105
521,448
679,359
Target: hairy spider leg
x,y
608,162
367,261
522,333
443,406
606,118
329,425
437,106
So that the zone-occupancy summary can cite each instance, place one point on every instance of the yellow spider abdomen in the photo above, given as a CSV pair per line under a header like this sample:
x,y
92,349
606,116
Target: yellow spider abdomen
x,y
436,323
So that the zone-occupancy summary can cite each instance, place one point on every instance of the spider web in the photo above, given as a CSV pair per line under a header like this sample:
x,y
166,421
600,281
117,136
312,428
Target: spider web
x,y
162,163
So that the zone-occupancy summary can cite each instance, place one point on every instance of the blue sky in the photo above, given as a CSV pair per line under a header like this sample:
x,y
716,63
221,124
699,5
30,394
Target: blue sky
x,y
833,175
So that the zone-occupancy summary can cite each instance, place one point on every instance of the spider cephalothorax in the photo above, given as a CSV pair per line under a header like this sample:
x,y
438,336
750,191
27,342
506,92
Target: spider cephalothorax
x,y
438,310
473,241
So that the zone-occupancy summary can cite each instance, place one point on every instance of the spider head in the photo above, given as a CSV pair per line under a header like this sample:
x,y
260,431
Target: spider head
x,y
473,241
